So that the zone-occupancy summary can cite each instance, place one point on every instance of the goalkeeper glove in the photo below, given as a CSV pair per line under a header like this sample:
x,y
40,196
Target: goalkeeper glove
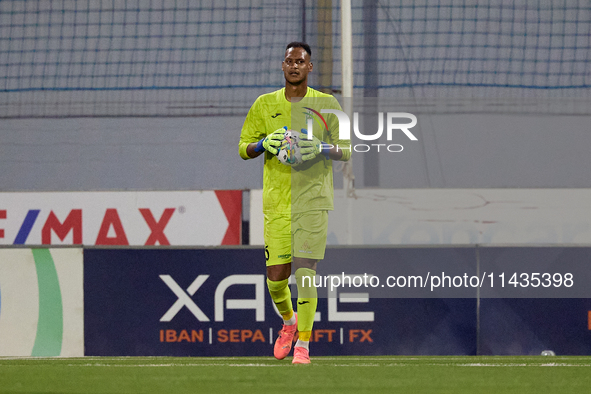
x,y
271,142
310,148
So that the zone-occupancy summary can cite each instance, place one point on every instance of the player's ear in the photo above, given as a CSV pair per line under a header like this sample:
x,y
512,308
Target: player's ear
x,y
310,66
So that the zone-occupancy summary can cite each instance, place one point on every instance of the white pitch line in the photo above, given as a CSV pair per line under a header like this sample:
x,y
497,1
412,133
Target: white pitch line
x,y
356,365
177,365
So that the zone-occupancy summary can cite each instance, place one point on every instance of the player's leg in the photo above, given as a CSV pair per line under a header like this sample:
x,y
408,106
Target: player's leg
x,y
305,271
277,282
309,233
278,256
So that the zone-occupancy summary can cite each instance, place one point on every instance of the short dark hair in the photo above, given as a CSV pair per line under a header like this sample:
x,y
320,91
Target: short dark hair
x,y
299,44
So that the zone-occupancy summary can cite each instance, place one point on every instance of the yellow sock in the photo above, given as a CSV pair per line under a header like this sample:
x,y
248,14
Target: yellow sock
x,y
307,300
281,296
304,335
287,316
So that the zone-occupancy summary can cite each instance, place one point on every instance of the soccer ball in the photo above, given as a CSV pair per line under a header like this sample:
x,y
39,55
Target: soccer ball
x,y
289,151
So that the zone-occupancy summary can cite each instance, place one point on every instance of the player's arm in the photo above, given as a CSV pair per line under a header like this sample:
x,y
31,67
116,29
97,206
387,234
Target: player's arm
x,y
341,150
251,151
252,132
335,153
253,139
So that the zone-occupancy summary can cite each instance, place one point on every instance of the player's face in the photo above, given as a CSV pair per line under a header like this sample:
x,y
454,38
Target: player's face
x,y
296,65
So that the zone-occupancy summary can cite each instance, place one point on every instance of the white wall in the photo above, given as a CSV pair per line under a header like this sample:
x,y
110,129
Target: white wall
x,y
457,151
453,217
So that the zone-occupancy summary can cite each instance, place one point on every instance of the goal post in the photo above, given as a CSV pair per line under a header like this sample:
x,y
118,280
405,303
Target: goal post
x,y
347,93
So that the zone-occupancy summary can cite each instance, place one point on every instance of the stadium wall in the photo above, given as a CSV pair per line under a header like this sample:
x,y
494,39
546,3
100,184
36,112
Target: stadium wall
x,y
452,151
452,217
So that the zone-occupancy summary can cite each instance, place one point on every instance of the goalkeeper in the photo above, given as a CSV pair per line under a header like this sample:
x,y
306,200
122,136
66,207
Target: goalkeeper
x,y
296,200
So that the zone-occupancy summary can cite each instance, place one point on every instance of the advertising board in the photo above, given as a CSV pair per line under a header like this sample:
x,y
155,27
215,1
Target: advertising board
x,y
187,218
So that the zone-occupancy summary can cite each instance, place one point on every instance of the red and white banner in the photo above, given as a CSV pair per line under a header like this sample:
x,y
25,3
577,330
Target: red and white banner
x,y
187,218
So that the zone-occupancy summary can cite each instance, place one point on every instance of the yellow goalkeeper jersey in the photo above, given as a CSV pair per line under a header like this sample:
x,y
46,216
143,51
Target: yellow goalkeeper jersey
x,y
309,186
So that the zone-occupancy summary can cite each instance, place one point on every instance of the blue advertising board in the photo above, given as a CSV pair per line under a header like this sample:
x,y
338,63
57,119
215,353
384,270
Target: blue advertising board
x,y
547,315
214,302
528,326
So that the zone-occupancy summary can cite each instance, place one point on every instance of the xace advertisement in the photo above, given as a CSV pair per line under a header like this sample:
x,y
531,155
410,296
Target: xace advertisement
x,y
212,302
121,218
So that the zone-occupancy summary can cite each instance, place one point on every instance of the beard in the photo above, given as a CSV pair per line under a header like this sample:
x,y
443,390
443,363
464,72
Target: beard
x,y
296,82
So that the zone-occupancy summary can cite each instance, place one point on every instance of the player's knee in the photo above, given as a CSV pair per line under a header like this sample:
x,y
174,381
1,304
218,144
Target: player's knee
x,y
305,279
279,272
300,262
277,286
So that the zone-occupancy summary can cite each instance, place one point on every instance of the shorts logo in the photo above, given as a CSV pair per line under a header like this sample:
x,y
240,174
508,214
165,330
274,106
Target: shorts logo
x,y
284,256
305,247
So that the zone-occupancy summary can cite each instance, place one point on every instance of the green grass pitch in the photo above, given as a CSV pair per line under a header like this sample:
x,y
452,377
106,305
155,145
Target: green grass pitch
x,y
396,374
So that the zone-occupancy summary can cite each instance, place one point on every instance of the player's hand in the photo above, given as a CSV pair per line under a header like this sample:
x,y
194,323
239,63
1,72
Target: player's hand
x,y
272,141
310,148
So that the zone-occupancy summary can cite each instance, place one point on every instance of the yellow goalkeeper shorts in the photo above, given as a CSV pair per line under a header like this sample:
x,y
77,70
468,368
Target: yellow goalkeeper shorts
x,y
299,235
